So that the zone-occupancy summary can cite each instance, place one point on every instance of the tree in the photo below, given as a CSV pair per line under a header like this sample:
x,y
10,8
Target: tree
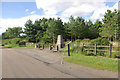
x,y
94,29
30,31
110,27
55,28
67,33
118,31
80,27
40,26
5,35
107,30
38,29
115,21
72,26
12,33
88,29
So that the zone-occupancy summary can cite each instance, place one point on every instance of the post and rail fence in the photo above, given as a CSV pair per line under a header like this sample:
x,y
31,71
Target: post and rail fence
x,y
95,49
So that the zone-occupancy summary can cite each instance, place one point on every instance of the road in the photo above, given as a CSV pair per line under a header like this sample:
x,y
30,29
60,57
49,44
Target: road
x,y
35,63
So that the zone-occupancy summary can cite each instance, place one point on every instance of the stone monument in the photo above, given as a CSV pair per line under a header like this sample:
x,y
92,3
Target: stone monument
x,y
60,42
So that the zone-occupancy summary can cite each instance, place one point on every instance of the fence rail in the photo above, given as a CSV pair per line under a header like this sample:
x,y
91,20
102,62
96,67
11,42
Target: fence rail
x,y
94,48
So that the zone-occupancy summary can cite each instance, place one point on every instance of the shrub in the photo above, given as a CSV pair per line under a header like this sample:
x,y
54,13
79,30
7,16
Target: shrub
x,y
100,41
6,41
86,41
15,40
22,43
78,40
2,45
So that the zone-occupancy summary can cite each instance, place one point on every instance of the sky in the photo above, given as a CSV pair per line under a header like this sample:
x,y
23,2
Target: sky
x,y
15,13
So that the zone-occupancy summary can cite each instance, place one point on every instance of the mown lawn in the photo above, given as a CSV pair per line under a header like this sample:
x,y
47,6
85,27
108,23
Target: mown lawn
x,y
97,62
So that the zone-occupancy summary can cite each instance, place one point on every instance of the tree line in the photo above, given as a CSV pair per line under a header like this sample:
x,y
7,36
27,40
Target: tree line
x,y
46,30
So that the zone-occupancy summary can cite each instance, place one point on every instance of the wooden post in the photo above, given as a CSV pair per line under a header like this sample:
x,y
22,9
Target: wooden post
x,y
57,48
110,49
82,47
38,45
50,48
82,44
68,50
95,50
42,46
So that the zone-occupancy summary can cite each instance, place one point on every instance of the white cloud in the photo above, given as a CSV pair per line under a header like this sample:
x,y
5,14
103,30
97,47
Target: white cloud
x,y
82,10
26,10
33,12
75,7
17,0
115,6
99,13
5,23
69,7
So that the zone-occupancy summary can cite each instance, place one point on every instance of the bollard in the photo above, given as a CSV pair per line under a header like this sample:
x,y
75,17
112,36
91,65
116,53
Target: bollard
x,y
57,48
68,50
50,47
42,46
35,46
38,45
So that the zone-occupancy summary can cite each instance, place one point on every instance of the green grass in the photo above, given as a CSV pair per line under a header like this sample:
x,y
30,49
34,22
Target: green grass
x,y
27,46
17,46
96,62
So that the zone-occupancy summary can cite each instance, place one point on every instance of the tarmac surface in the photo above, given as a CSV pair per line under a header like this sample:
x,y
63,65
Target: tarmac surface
x,y
36,63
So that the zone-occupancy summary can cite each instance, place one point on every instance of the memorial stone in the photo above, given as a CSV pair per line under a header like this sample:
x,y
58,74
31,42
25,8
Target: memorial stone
x,y
60,42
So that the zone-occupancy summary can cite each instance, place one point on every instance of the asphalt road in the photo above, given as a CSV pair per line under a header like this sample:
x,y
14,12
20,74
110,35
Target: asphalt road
x,y
35,63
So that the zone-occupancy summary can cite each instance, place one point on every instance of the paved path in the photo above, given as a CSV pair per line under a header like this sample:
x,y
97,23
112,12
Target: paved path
x,y
35,63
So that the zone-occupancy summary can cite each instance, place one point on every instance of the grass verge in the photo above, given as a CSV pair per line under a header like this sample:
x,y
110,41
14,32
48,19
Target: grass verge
x,y
78,56
97,62
17,46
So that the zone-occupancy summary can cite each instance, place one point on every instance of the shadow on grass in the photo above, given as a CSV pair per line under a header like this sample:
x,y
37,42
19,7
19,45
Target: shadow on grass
x,y
90,54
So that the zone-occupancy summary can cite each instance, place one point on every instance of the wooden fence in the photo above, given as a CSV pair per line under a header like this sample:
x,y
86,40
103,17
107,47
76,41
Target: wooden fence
x,y
95,49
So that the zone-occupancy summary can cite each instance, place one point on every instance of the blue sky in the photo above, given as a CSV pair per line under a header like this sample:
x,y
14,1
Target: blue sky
x,y
18,9
17,13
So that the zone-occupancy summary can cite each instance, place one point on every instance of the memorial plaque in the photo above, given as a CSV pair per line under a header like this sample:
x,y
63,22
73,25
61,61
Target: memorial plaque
x,y
60,42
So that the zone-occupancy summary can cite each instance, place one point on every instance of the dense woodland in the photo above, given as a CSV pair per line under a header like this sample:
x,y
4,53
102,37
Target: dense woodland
x,y
46,30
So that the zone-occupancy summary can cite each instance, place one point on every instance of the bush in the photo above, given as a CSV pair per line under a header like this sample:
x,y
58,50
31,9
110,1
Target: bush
x,y
2,45
86,41
6,41
100,41
15,40
22,43
11,41
78,40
